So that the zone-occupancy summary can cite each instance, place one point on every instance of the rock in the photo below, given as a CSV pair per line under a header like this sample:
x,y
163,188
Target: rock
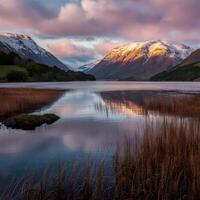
x,y
30,122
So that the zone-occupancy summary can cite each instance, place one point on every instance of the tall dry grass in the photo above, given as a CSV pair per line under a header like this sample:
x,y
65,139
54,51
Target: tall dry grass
x,y
165,165
16,101
142,102
184,106
162,164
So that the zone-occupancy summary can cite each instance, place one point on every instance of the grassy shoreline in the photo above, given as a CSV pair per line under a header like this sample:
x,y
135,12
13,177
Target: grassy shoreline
x,y
16,101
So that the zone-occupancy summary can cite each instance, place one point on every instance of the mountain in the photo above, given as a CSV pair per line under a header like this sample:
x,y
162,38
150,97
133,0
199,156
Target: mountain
x,y
25,47
140,60
193,58
87,67
14,68
188,70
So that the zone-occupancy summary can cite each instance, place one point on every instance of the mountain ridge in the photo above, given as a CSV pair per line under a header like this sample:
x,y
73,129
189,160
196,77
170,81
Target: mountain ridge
x,y
193,58
14,68
27,48
87,67
188,70
140,59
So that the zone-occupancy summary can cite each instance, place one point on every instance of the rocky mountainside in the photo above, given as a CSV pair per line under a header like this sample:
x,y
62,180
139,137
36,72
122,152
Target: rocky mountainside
x,y
140,60
26,48
188,70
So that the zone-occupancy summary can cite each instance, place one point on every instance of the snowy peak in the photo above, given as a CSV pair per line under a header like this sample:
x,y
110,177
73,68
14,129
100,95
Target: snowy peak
x,y
15,35
26,47
140,60
20,42
147,50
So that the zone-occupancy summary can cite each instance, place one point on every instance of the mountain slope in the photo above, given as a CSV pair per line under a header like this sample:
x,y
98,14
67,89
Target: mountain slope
x,y
188,70
193,58
26,48
87,67
140,60
14,68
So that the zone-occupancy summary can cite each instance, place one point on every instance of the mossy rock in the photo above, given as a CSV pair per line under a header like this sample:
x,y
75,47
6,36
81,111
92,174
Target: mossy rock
x,y
30,122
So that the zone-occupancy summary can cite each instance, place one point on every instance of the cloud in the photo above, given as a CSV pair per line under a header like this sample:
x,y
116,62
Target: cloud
x,y
131,19
105,46
64,49
128,20
72,53
79,53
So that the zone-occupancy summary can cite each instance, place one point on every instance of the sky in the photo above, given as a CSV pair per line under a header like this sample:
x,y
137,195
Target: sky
x,y
81,31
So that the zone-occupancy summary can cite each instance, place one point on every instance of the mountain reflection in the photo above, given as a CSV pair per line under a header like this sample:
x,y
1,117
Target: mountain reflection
x,y
96,106
91,124
89,121
126,108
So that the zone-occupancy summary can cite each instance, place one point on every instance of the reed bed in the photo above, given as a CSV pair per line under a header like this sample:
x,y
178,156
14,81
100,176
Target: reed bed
x,y
184,106
161,163
17,101
165,103
165,165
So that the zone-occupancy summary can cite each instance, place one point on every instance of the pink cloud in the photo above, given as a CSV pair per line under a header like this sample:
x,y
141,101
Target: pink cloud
x,y
79,53
105,46
64,49
70,52
68,48
132,19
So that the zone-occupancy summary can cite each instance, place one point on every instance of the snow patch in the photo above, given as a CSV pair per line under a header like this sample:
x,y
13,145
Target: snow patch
x,y
24,46
20,42
148,48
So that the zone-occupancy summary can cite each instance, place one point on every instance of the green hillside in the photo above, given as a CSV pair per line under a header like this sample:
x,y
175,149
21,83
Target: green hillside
x,y
189,72
5,70
16,69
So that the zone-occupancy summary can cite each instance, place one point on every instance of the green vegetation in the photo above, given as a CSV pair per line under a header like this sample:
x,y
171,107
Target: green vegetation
x,y
16,69
180,73
5,70
17,76
30,122
9,59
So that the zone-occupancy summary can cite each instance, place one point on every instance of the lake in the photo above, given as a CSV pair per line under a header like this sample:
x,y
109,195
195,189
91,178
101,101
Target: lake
x,y
94,118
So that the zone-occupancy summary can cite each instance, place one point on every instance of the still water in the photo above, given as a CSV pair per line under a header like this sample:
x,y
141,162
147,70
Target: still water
x,y
94,117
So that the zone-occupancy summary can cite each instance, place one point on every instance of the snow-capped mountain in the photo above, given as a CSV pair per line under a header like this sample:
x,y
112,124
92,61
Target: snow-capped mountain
x,y
140,60
87,67
24,46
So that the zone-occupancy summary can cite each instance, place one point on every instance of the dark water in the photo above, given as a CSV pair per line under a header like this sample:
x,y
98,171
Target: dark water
x,y
94,118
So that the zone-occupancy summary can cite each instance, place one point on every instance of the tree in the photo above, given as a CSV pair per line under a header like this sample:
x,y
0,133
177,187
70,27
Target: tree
x,y
17,76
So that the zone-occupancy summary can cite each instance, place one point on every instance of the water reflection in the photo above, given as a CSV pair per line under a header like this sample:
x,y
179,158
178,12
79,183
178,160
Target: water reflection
x,y
91,123
83,105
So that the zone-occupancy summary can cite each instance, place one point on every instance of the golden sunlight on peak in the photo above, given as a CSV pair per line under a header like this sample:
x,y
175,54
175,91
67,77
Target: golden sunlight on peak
x,y
157,51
